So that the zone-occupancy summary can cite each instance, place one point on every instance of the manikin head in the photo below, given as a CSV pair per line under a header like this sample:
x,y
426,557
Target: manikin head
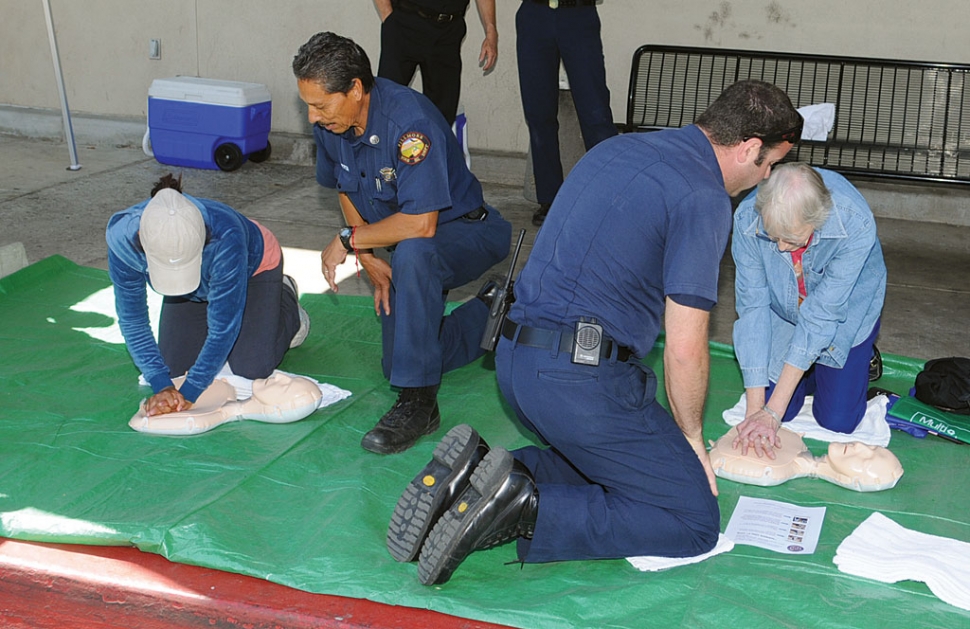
x,y
860,466
282,392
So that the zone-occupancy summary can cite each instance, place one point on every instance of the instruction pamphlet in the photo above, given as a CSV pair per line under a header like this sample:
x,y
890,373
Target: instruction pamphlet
x,y
777,526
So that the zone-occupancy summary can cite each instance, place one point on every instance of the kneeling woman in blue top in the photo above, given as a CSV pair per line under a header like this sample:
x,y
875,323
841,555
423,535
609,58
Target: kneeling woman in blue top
x,y
225,295
809,291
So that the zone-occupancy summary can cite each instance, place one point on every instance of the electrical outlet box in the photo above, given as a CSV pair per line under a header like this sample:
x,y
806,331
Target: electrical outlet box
x,y
154,49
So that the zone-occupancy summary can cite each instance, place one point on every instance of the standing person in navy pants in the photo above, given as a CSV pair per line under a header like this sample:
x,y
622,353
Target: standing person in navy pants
x,y
547,32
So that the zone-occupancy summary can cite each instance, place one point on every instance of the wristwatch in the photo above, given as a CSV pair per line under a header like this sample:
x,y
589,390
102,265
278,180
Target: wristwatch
x,y
345,235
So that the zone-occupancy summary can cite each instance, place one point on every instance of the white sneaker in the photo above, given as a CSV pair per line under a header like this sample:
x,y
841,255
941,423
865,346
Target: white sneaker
x,y
304,330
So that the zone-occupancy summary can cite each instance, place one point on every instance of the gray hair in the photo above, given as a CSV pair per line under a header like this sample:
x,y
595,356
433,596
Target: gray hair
x,y
792,197
333,62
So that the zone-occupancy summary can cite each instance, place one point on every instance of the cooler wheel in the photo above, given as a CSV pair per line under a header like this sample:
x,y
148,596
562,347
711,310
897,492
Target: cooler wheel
x,y
228,157
261,156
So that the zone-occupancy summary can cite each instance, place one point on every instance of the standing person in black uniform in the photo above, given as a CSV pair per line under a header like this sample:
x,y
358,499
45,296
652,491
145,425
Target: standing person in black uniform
x,y
546,32
428,34
402,183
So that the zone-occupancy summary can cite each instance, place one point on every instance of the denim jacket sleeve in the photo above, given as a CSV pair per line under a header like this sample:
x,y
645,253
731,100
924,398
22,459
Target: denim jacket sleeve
x,y
752,299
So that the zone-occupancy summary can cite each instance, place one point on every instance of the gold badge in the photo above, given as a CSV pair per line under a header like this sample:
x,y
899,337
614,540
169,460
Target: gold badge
x,y
413,147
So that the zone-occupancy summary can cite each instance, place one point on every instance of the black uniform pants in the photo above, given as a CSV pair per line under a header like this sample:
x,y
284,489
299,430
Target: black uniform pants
x,y
270,320
409,41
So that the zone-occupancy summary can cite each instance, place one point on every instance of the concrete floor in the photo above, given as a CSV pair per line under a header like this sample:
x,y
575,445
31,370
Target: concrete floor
x,y
52,210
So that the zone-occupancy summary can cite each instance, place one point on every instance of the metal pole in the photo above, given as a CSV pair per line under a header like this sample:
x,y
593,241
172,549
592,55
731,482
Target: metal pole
x,y
65,111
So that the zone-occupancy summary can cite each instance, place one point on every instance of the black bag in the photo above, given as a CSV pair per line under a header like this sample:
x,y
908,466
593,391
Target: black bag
x,y
945,384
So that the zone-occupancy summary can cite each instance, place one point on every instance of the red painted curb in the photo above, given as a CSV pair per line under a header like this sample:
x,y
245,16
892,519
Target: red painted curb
x,y
53,586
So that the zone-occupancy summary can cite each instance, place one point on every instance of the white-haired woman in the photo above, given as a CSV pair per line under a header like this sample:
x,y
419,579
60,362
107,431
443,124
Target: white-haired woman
x,y
809,291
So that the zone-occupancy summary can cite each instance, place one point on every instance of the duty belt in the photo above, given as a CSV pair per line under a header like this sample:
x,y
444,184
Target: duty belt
x,y
541,338
440,18
557,4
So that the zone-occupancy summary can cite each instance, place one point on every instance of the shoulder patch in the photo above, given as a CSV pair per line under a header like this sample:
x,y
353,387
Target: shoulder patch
x,y
413,147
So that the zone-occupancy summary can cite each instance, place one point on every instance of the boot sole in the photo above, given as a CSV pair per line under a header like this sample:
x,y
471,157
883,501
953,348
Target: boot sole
x,y
438,560
415,511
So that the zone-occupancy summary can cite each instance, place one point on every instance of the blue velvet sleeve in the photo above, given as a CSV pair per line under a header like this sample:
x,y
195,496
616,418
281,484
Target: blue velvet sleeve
x,y
131,305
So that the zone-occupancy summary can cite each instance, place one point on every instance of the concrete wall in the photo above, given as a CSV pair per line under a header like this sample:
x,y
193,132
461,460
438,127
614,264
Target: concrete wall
x,y
104,46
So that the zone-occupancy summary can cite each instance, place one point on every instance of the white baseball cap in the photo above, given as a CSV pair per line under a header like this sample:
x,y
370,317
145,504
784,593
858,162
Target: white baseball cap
x,y
172,233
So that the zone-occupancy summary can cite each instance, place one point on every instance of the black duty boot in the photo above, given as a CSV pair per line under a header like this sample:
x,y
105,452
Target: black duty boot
x,y
413,415
433,490
500,504
539,217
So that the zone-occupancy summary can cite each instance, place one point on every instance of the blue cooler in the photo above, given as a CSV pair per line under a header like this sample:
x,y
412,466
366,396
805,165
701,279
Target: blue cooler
x,y
208,123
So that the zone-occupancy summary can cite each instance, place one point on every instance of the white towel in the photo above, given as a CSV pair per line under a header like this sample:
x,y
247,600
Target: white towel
x,y
656,564
883,550
819,120
872,430
244,386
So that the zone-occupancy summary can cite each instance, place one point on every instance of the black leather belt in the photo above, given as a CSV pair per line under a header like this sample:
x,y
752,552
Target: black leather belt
x,y
439,18
478,214
546,339
554,4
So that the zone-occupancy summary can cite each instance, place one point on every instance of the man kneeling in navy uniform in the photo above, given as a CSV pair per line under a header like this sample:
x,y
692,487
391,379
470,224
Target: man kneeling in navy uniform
x,y
632,241
403,184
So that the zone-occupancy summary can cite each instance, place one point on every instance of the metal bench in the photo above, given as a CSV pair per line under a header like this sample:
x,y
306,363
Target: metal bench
x,y
894,119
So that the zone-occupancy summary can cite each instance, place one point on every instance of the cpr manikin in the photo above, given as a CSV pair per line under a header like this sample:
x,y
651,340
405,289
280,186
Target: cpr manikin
x,y
279,399
854,465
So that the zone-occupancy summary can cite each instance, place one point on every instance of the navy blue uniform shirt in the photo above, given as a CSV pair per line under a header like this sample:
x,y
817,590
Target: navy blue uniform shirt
x,y
640,217
407,161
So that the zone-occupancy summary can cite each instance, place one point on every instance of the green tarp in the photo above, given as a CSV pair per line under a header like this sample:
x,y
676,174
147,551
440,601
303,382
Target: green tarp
x,y
303,505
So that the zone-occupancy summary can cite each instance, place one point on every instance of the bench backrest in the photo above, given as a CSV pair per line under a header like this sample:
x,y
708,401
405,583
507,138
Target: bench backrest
x,y
895,119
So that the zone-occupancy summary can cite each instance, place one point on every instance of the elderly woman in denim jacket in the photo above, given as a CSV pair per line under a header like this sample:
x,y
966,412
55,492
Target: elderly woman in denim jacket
x,y
225,295
809,290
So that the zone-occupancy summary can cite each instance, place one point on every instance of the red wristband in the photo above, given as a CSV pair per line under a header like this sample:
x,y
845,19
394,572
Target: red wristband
x,y
353,245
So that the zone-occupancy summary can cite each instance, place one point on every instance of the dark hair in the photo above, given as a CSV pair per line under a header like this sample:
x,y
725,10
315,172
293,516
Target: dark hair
x,y
168,181
334,62
749,109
